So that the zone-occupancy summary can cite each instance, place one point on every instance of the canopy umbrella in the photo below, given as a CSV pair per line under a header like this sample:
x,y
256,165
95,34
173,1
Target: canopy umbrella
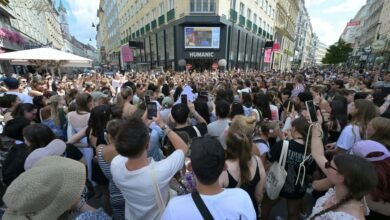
x,y
48,57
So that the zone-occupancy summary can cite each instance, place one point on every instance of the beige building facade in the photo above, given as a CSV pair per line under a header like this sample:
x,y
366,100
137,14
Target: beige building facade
x,y
285,26
196,32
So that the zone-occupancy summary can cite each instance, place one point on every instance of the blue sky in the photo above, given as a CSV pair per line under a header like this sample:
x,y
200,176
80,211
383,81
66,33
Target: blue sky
x,y
329,17
81,15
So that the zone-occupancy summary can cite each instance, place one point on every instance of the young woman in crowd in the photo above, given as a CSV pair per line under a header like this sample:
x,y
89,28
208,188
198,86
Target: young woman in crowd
x,y
244,169
105,153
296,184
123,100
54,115
263,131
353,178
378,129
25,110
362,111
261,107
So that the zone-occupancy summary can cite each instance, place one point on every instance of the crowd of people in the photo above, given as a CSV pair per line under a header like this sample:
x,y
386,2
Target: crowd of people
x,y
190,145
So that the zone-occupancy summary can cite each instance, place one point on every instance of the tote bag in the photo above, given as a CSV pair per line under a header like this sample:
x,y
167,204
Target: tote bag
x,y
276,175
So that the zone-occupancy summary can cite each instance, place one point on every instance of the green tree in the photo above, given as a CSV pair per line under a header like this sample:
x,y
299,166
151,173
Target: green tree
x,y
337,53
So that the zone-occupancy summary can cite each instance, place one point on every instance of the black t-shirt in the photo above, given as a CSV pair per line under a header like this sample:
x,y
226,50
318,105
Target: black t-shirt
x,y
190,130
295,153
13,165
73,152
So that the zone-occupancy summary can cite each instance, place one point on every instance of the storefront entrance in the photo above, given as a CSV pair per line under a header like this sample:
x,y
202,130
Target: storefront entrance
x,y
200,65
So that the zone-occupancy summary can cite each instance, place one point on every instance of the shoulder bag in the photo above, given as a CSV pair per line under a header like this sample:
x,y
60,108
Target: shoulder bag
x,y
277,174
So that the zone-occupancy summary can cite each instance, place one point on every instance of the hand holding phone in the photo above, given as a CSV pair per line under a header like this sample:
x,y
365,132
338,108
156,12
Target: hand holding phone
x,y
311,109
184,99
152,110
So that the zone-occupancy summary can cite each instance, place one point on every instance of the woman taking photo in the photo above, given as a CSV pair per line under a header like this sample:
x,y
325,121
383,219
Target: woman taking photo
x,y
353,178
294,189
244,170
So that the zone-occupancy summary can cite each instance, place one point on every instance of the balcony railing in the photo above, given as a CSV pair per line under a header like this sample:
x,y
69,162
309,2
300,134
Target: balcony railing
x,y
233,15
242,20
249,24
254,28
161,20
154,24
171,15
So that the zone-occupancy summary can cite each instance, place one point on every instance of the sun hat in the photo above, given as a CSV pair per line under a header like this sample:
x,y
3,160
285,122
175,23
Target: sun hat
x,y
46,191
366,147
55,148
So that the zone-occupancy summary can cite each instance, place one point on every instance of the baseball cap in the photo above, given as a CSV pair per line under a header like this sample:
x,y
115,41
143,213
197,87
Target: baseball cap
x,y
52,186
54,148
207,159
11,83
365,148
167,102
97,95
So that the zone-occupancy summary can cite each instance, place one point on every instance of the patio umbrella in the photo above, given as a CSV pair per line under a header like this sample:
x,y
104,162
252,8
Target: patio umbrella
x,y
48,57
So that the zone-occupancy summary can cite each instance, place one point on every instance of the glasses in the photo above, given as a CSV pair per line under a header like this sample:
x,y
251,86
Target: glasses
x,y
329,165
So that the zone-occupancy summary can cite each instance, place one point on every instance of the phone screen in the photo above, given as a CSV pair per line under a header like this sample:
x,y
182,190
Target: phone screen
x,y
184,99
312,111
147,99
152,110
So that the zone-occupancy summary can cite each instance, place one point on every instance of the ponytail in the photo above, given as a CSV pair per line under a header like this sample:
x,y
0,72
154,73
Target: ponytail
x,y
239,147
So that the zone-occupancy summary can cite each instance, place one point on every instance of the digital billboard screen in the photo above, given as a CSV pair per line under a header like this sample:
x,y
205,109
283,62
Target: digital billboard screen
x,y
202,37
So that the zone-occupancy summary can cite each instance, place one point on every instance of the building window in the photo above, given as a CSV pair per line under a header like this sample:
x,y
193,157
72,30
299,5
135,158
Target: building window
x,y
254,18
262,3
249,14
233,4
242,7
202,6
266,7
153,14
171,4
260,22
161,9
269,10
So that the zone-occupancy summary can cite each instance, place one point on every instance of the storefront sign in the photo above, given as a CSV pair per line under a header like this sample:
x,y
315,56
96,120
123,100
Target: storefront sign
x,y
268,55
127,54
201,54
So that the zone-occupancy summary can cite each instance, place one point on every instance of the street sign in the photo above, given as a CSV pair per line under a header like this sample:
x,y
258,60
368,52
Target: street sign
x,y
214,66
353,23
378,45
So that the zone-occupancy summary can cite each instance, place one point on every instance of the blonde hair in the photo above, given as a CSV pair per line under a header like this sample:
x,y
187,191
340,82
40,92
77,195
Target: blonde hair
x,y
382,131
53,103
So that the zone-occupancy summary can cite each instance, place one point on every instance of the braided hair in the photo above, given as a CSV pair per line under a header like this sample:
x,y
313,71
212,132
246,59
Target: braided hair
x,y
346,199
360,178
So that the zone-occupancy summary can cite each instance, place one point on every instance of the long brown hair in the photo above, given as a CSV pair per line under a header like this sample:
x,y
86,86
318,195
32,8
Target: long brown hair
x,y
360,177
382,131
366,111
239,144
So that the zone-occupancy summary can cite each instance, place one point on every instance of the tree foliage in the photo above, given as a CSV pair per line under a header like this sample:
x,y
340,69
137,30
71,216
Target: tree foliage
x,y
337,53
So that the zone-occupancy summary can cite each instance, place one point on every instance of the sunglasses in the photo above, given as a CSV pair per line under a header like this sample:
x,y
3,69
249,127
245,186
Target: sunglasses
x,y
329,165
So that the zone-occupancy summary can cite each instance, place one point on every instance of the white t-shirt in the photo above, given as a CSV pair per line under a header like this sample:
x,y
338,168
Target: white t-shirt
x,y
137,186
348,137
23,97
230,204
